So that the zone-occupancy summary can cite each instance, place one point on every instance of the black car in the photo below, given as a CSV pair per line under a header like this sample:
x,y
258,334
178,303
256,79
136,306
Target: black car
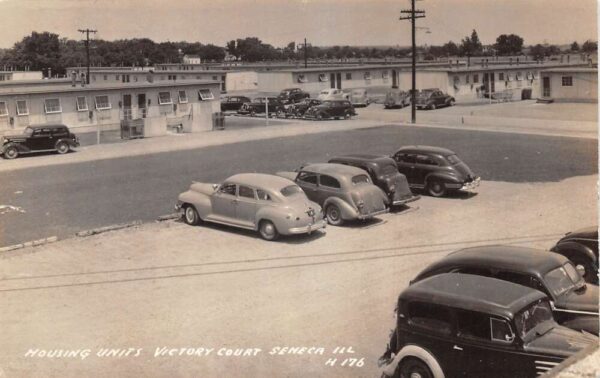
x,y
38,138
437,170
575,304
581,247
292,95
331,109
384,173
432,99
233,102
298,109
462,325
259,106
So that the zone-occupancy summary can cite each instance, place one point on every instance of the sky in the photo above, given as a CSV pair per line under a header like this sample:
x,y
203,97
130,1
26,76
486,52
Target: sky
x,y
322,22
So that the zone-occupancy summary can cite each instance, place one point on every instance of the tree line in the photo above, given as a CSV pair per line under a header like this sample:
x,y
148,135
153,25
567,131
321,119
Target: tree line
x,y
43,51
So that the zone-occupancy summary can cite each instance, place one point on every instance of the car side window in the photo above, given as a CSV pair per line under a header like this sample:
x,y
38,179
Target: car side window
x,y
308,178
262,195
329,182
501,331
246,192
434,318
407,158
425,160
473,325
228,189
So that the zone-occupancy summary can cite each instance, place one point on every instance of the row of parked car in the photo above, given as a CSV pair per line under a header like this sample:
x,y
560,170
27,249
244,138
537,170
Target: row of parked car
x,y
431,99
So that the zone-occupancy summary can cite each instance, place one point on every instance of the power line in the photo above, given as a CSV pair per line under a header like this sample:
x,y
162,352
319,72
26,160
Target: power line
x,y
87,50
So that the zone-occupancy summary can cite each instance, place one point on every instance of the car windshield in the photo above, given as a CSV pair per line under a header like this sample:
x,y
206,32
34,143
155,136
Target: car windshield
x,y
291,190
532,317
562,279
389,169
453,159
360,180
28,131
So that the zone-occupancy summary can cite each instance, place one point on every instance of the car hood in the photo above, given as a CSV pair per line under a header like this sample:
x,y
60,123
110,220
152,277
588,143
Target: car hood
x,y
288,175
561,341
203,188
585,299
13,136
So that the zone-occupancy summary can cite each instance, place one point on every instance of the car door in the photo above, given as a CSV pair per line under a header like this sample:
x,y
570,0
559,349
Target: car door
x,y
308,181
407,166
246,206
328,187
59,133
41,139
424,166
224,202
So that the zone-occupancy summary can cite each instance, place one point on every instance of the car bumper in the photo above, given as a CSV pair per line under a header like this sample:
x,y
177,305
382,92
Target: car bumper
x,y
404,201
307,229
471,185
372,214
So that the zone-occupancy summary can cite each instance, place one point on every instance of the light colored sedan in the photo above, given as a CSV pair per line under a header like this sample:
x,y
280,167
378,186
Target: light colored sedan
x,y
331,94
268,204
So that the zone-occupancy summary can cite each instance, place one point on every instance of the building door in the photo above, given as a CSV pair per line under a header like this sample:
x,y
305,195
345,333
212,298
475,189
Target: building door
x,y
546,86
127,106
332,80
142,104
223,85
339,80
394,79
493,81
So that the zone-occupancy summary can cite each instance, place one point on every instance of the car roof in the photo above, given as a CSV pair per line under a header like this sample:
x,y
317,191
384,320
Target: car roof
x,y
426,149
333,169
474,293
519,259
364,158
49,126
260,180
584,233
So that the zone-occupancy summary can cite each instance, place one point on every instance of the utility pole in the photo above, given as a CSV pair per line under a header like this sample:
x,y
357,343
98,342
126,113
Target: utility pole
x,y
87,50
305,48
413,14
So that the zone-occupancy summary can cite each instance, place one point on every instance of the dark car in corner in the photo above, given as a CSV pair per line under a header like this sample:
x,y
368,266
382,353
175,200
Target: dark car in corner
x,y
331,109
384,173
436,170
462,325
259,106
38,138
581,247
574,303
432,99
298,109
292,95
233,102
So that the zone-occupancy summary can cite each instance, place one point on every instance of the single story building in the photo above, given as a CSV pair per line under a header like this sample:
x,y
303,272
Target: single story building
x,y
157,106
21,75
569,85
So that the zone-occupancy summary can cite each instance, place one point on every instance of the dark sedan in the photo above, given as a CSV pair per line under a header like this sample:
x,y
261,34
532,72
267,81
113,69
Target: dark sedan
x,y
432,99
233,102
259,106
331,109
574,303
581,247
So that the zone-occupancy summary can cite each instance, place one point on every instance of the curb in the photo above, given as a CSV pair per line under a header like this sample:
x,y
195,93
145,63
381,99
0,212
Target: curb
x,y
33,243
114,227
167,217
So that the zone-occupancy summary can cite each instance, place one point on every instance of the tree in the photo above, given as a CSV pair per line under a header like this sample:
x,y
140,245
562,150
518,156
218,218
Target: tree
x,y
538,52
575,46
471,45
510,44
589,47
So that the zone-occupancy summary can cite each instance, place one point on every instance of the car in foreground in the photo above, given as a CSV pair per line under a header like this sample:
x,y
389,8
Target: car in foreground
x,y
345,193
268,204
436,170
38,138
331,94
292,95
396,99
574,304
259,106
581,247
331,109
384,173
234,103
453,325
433,99
298,109
359,98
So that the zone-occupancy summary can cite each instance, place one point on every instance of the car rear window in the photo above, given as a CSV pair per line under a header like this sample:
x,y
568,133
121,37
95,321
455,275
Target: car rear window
x,y
360,179
291,190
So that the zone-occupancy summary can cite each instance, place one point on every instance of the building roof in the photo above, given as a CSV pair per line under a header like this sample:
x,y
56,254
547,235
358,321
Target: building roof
x,y
572,70
474,67
474,293
391,65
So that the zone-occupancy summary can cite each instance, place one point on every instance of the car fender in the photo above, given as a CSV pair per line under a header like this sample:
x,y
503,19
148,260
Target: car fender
x,y
20,147
200,201
68,141
273,214
572,248
417,352
444,177
348,212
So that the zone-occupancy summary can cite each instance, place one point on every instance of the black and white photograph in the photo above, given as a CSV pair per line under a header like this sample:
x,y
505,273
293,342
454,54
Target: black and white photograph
x,y
299,188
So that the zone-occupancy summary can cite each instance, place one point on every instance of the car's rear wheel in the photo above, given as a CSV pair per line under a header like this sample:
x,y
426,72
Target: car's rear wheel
x,y
267,230
333,215
346,114
11,152
451,102
432,106
436,188
415,368
252,113
319,117
190,215
62,147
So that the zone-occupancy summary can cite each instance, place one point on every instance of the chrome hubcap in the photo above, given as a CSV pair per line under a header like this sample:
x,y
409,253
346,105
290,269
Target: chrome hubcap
x,y
333,213
268,229
415,375
189,215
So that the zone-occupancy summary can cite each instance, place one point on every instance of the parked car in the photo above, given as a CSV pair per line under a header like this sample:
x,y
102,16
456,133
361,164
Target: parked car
x,y
462,325
298,109
259,106
574,304
331,109
331,94
345,193
292,95
268,204
396,99
233,102
437,170
581,247
433,98
357,97
384,173
38,138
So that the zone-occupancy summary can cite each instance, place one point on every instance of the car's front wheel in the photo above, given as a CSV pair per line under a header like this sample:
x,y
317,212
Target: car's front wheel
x,y
334,215
432,106
11,152
451,102
190,215
62,147
436,189
415,368
267,230
319,117
346,114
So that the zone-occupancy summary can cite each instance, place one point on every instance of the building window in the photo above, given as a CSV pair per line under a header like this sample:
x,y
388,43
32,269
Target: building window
x,y
198,77
135,78
567,81
385,75
93,77
519,76
367,76
529,76
348,76
22,108
3,109
52,105
105,77
476,78
102,103
117,77
456,80
510,77
215,78
500,76
82,105
206,94
302,78
183,97
164,98
323,77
